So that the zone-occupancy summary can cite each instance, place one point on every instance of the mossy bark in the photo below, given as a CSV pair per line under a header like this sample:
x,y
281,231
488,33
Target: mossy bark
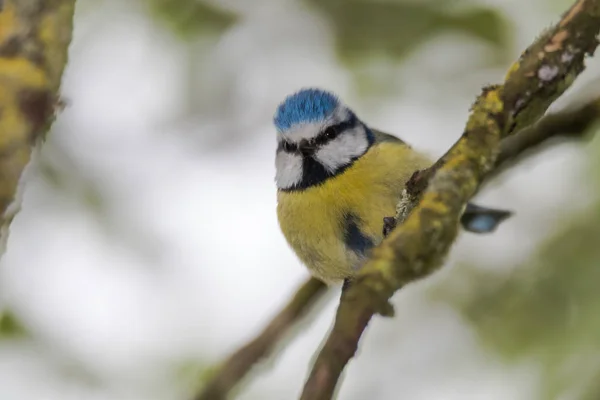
x,y
418,246
34,39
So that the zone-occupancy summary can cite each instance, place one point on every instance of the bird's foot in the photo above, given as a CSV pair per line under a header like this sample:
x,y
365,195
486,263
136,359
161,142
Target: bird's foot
x,y
389,223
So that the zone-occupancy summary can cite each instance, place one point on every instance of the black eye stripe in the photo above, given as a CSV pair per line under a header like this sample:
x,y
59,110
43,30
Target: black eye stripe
x,y
287,147
325,136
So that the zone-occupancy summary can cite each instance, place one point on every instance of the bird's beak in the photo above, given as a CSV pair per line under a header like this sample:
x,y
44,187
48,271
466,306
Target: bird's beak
x,y
306,148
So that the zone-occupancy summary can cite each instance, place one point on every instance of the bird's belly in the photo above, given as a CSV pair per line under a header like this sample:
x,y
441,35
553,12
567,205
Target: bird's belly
x,y
333,235
332,226
318,242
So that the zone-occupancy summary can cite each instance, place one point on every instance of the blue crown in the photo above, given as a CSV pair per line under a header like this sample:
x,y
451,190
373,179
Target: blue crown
x,y
307,105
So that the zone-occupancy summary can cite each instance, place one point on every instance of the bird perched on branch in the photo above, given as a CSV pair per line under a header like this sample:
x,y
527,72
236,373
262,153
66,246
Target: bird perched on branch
x,y
337,178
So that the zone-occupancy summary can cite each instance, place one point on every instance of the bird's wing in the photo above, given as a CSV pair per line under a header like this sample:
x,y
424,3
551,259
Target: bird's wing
x,y
386,137
475,218
478,219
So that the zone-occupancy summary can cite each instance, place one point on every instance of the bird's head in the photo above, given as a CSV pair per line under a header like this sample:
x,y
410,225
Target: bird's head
x,y
318,137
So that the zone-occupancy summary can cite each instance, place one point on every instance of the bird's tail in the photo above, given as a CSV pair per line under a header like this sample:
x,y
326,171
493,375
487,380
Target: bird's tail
x,y
479,219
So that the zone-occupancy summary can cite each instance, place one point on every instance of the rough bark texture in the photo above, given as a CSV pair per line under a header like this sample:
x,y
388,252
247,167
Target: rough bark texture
x,y
566,124
542,73
393,260
549,66
418,247
573,123
34,39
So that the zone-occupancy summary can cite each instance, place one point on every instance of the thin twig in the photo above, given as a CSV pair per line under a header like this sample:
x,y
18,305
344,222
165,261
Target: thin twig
x,y
236,367
568,124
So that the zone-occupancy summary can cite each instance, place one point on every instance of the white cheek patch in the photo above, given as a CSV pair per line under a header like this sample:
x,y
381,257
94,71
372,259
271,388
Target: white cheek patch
x,y
341,150
288,169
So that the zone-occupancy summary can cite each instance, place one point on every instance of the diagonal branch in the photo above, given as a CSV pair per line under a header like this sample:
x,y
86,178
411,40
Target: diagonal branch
x,y
239,363
418,247
572,123
565,124
34,39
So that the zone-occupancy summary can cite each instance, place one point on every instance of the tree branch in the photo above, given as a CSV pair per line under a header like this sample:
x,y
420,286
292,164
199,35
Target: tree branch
x,y
34,38
418,247
572,123
565,124
236,367
568,124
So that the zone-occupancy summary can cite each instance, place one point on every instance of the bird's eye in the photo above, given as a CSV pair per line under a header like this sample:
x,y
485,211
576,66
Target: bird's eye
x,y
331,132
288,147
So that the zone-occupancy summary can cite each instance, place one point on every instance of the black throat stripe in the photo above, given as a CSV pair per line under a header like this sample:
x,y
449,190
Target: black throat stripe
x,y
314,173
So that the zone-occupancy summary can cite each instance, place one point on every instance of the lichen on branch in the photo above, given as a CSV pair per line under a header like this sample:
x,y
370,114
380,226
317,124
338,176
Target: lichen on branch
x,y
551,64
572,123
34,39
418,247
541,75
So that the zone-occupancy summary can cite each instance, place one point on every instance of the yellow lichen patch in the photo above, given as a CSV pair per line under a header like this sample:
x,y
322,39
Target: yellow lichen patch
x,y
13,125
488,103
22,71
493,101
53,30
477,120
8,22
49,36
383,252
30,31
458,159
432,202
47,30
513,68
383,266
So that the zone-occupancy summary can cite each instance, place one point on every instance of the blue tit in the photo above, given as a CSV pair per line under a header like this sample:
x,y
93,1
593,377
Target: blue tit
x,y
337,179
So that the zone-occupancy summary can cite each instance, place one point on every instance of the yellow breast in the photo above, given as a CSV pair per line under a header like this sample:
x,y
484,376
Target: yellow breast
x,y
314,220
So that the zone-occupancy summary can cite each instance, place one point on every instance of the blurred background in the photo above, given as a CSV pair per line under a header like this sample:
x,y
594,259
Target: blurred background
x,y
148,249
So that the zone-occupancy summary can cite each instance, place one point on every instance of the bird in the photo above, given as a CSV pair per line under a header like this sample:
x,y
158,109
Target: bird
x,y
337,179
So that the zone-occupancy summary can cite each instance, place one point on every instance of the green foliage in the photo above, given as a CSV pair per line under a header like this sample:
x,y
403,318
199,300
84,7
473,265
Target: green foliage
x,y
365,28
549,309
10,327
552,303
189,18
362,28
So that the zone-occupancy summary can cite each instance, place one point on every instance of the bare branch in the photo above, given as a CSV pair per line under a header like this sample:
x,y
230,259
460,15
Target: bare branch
x,y
239,363
418,247
572,124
